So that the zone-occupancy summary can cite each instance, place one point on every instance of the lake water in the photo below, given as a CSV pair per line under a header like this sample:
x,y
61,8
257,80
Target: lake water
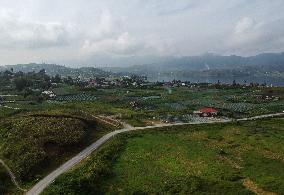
x,y
242,80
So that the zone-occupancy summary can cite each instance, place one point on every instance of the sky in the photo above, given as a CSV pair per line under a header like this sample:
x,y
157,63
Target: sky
x,y
125,32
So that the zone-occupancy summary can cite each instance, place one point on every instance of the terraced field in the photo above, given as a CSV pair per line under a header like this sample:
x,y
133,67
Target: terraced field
x,y
76,97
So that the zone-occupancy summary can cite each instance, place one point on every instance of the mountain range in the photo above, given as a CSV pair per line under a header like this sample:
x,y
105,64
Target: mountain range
x,y
208,61
54,69
266,67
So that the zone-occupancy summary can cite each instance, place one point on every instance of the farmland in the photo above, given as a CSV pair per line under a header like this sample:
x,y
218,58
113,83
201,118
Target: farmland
x,y
79,97
141,97
235,158
177,103
38,132
157,103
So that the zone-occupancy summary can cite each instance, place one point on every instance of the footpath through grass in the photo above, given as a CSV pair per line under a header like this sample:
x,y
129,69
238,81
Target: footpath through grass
x,y
235,158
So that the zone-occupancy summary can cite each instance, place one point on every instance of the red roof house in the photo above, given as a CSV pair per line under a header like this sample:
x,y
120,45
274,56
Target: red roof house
x,y
206,112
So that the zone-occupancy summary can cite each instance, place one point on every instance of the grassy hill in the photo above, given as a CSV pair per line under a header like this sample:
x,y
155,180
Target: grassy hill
x,y
54,69
235,158
32,144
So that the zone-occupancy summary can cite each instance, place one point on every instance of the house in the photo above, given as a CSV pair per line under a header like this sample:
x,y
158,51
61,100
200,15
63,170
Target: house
x,y
49,94
93,83
54,84
134,104
206,112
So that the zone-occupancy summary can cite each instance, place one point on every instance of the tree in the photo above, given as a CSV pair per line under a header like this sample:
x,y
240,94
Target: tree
x,y
56,79
42,72
28,92
234,83
68,80
21,83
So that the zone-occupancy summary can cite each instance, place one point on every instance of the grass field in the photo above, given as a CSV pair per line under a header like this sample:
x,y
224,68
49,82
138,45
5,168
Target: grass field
x,y
235,158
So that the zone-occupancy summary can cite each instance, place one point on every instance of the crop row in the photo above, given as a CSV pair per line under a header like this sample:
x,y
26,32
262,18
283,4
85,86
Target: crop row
x,y
77,97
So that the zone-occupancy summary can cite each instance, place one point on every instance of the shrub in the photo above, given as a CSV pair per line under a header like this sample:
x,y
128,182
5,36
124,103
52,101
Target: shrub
x,y
24,139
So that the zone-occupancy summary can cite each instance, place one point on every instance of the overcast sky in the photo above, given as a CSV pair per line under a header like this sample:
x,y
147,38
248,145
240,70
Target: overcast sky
x,y
98,32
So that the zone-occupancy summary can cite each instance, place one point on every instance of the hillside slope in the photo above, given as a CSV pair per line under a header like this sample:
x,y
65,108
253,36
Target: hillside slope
x,y
53,69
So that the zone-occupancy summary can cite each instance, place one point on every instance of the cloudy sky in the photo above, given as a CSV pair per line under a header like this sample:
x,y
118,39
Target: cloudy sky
x,y
113,32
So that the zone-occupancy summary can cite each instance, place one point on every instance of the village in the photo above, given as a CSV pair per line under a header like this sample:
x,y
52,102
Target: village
x,y
138,101
141,97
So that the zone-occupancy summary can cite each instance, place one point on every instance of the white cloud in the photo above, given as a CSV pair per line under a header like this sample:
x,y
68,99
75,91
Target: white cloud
x,y
250,36
105,27
18,32
70,29
246,31
124,44
108,38
105,36
244,25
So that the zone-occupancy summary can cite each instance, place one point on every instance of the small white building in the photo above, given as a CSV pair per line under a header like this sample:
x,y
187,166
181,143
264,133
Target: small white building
x,y
50,94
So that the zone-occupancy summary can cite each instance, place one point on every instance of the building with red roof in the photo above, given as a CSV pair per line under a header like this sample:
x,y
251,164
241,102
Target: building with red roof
x,y
206,112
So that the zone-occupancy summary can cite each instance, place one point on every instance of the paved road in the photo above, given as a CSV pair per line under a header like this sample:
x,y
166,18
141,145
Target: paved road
x,y
42,184
261,116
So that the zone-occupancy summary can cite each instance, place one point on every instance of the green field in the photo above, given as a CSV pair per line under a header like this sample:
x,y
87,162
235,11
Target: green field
x,y
158,103
37,133
235,158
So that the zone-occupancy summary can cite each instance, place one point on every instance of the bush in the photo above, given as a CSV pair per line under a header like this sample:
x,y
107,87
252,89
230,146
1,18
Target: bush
x,y
198,185
25,141
4,181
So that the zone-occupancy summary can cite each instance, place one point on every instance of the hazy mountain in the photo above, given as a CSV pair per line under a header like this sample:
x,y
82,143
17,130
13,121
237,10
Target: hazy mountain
x,y
53,69
268,67
208,61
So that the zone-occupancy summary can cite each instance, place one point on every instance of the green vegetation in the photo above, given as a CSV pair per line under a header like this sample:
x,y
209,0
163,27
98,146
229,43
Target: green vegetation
x,y
34,144
233,158
29,141
5,181
45,120
152,101
86,181
159,103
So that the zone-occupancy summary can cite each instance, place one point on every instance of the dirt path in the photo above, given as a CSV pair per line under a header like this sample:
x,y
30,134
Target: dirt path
x,y
251,186
12,176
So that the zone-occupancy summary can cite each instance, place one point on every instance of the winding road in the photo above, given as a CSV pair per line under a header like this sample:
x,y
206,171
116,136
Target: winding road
x,y
42,184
